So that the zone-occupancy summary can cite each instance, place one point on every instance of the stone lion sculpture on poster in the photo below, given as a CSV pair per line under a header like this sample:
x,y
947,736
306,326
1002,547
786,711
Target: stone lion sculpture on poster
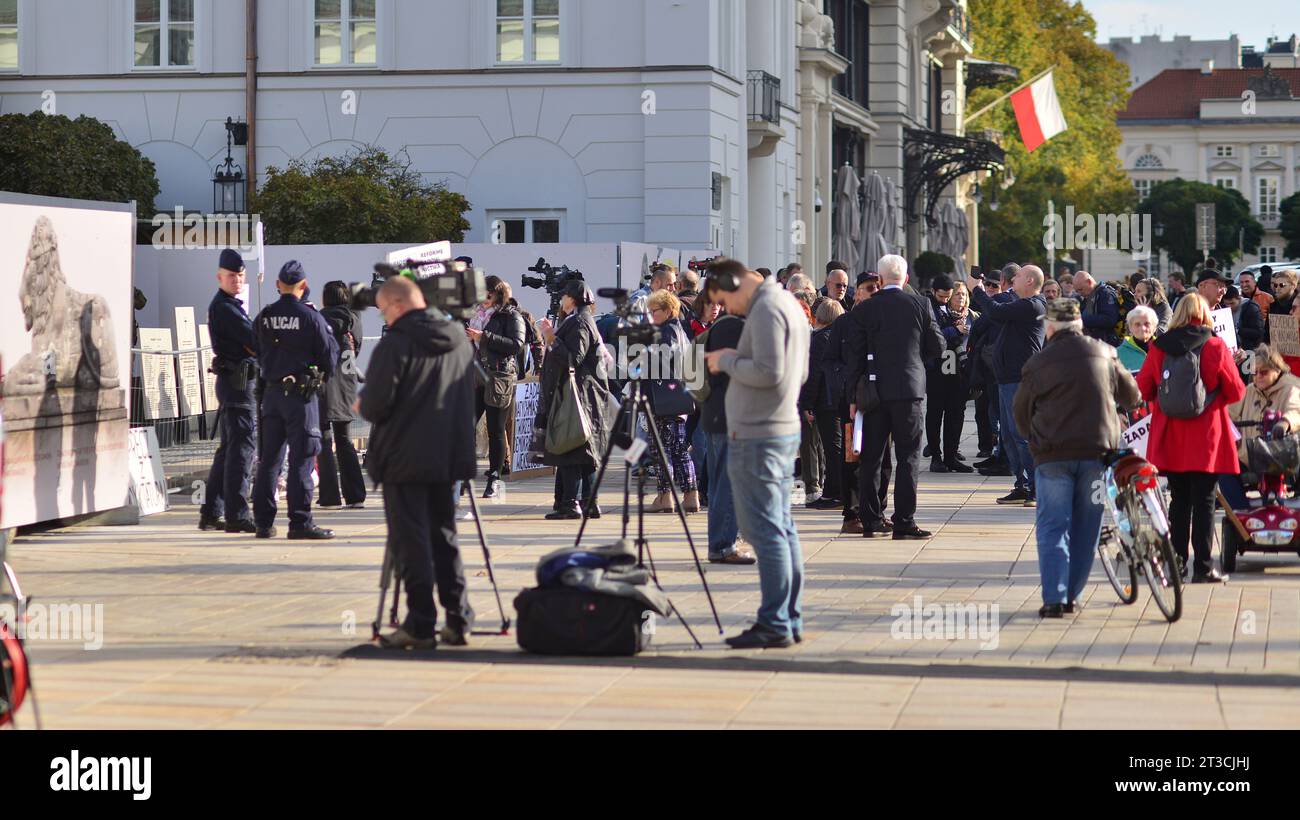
x,y
72,338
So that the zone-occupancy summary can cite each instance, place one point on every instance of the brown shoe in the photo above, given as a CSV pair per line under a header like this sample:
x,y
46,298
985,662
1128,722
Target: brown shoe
x,y
401,639
691,501
744,557
852,526
663,504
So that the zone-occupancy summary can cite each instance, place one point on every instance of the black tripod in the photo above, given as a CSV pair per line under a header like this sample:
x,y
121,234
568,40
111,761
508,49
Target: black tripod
x,y
635,404
393,571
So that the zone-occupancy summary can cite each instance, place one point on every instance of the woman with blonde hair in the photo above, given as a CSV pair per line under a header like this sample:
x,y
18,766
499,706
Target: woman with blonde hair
x,y
664,308
1192,451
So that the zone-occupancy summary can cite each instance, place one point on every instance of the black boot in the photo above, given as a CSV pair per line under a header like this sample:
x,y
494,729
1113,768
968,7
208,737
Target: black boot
x,y
493,485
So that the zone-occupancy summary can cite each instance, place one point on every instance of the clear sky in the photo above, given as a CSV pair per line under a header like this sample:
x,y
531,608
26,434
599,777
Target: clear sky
x,y
1254,21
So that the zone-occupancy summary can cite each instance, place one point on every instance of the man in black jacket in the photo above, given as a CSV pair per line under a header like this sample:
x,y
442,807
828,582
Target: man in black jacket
x,y
891,337
419,394
1020,337
835,366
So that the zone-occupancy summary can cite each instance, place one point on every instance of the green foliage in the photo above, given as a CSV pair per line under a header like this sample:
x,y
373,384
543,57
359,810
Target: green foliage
x,y
929,265
80,159
1290,209
1080,167
1173,204
363,197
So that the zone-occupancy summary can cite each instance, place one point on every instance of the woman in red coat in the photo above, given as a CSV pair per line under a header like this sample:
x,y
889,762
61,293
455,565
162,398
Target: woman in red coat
x,y
1191,452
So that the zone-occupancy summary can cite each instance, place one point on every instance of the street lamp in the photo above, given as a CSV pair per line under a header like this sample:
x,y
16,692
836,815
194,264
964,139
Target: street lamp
x,y
228,179
993,203
1160,230
976,194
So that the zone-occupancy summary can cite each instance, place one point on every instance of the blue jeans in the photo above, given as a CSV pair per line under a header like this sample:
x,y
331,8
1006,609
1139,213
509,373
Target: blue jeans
x,y
722,509
762,476
1068,519
1013,442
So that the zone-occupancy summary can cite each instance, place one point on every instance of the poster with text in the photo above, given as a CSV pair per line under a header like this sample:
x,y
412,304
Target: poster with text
x,y
65,336
188,363
209,378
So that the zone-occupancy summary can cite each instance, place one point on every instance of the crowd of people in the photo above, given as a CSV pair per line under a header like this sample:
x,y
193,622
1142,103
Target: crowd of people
x,y
1055,369
846,391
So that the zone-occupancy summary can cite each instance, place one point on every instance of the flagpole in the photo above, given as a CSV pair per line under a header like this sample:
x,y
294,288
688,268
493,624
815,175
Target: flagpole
x,y
1001,99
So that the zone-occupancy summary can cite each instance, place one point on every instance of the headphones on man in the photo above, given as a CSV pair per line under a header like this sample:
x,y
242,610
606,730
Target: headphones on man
x,y
724,281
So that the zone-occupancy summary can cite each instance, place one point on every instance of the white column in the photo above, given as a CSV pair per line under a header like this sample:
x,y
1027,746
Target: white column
x,y
1247,182
1203,160
1288,178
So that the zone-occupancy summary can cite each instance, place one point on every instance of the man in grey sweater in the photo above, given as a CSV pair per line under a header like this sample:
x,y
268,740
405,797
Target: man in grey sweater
x,y
767,368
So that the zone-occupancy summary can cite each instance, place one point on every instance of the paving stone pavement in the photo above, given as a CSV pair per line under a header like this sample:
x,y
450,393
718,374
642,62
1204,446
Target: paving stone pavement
x,y
207,630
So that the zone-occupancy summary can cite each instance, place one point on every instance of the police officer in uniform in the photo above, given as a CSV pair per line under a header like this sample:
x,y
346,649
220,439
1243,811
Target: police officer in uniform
x,y
295,348
234,364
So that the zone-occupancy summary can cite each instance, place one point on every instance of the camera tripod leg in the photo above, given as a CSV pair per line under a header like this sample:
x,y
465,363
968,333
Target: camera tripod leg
x,y
595,493
384,574
681,513
487,557
397,596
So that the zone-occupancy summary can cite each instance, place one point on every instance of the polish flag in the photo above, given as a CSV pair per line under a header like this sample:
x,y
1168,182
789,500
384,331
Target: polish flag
x,y
1039,112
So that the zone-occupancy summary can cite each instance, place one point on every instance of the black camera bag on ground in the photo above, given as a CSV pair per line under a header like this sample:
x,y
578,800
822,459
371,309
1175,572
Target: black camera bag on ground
x,y
573,621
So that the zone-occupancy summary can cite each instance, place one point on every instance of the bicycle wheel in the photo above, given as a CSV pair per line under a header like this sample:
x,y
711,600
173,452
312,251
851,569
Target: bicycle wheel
x,y
1158,562
1119,566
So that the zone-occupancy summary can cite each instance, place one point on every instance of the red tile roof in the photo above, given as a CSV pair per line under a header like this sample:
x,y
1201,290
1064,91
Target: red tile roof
x,y
1176,93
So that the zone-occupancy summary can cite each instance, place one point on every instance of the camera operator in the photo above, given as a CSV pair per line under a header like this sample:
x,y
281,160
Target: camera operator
x,y
338,456
297,350
419,394
499,344
576,345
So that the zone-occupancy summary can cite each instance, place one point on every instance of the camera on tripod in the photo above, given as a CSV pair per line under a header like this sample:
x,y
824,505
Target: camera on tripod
x,y
699,265
453,288
633,326
553,280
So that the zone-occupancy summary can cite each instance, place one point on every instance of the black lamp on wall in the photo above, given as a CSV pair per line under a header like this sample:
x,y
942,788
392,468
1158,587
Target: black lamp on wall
x,y
228,179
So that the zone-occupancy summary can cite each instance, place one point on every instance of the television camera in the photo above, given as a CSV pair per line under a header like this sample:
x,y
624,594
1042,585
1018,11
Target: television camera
x,y
553,280
452,288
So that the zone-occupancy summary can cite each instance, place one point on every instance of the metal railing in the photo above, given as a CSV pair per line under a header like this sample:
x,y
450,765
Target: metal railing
x,y
764,97
187,442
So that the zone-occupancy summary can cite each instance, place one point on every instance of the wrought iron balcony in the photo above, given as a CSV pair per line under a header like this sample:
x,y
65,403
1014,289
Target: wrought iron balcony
x,y
764,97
935,160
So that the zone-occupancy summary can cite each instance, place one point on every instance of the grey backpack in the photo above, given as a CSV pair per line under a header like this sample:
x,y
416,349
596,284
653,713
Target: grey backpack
x,y
1182,393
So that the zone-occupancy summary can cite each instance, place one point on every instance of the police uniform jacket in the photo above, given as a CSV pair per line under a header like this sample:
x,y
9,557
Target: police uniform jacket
x,y
292,337
232,346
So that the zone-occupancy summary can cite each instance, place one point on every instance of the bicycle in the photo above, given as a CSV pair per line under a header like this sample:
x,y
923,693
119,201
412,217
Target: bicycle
x,y
1137,542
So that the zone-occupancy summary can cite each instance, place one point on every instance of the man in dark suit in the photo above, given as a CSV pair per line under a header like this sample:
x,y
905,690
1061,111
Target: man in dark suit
x,y
890,338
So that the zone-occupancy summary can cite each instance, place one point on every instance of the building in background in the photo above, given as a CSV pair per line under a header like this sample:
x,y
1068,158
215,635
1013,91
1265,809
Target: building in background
x,y
698,124
1147,56
1200,124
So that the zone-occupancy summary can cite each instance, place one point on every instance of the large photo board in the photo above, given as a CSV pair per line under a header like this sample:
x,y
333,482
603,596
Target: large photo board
x,y
65,335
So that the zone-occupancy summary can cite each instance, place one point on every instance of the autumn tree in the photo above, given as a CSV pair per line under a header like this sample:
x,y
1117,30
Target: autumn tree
x,y
1080,167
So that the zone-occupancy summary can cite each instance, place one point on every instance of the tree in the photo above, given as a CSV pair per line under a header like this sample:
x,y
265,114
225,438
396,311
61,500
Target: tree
x,y
1172,204
1290,227
1080,167
47,155
929,265
366,196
